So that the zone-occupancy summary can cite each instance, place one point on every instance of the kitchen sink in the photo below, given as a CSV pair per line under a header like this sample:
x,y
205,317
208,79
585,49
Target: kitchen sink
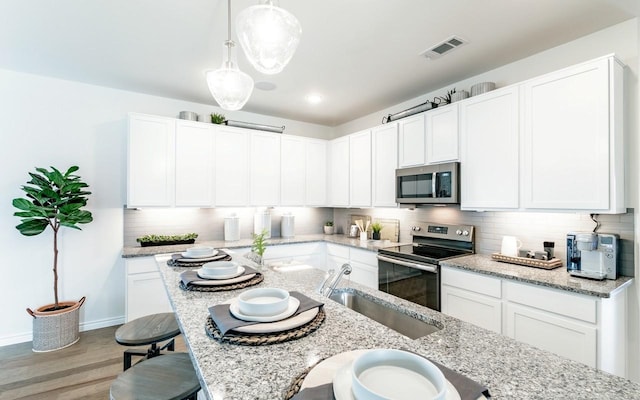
x,y
384,313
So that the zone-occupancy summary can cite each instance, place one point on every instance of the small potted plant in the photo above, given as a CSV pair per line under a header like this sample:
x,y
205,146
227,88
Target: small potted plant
x,y
53,199
258,247
328,228
217,118
376,227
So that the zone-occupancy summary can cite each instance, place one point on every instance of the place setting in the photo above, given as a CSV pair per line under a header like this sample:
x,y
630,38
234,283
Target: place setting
x,y
218,276
263,316
197,256
383,374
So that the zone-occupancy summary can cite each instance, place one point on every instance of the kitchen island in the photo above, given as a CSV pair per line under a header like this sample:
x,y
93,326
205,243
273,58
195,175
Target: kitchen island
x,y
510,370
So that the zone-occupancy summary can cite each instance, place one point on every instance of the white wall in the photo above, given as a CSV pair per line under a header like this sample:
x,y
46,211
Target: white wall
x,y
55,122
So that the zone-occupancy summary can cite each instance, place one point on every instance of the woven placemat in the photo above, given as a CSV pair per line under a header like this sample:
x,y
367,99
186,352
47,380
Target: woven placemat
x,y
262,339
175,263
222,288
295,386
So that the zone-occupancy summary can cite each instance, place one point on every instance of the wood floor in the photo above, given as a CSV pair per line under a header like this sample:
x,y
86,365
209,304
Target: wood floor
x,y
82,371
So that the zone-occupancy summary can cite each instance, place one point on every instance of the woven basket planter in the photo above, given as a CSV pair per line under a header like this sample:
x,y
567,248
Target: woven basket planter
x,y
55,330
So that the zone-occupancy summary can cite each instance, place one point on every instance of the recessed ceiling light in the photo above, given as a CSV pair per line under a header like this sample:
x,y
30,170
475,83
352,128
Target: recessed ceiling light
x,y
263,85
313,98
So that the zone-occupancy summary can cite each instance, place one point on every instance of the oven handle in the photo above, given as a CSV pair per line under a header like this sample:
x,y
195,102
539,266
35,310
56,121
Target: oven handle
x,y
408,264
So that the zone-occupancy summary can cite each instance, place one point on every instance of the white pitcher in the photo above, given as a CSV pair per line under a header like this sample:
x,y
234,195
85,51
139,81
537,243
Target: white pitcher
x,y
510,246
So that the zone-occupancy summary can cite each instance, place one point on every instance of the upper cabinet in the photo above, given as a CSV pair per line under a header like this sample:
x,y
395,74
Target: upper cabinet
x,y
411,141
489,150
150,161
360,169
316,172
572,139
338,175
264,172
194,164
442,134
232,166
303,171
385,161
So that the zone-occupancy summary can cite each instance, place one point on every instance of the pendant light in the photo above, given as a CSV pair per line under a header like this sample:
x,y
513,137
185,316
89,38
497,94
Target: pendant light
x,y
269,35
230,87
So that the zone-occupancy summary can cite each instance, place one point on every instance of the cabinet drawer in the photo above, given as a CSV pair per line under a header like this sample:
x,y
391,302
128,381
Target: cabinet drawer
x,y
365,257
337,250
472,282
567,304
139,265
293,250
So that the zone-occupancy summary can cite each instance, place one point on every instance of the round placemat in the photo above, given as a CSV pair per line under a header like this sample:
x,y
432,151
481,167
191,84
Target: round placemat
x,y
294,388
221,288
176,263
262,339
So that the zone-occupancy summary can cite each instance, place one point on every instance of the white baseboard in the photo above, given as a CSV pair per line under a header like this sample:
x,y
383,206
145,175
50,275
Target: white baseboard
x,y
84,326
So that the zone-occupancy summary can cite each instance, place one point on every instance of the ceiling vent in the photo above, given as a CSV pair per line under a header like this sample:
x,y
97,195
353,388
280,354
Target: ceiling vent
x,y
444,47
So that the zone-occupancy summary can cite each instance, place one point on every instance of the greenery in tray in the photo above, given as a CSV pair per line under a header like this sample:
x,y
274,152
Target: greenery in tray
x,y
259,243
217,118
166,238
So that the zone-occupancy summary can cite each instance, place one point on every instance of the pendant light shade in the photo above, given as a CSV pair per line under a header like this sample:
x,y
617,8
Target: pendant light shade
x,y
269,35
229,86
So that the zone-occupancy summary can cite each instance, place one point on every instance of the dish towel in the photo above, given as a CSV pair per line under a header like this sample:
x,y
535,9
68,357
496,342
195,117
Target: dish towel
x,y
467,388
192,278
225,321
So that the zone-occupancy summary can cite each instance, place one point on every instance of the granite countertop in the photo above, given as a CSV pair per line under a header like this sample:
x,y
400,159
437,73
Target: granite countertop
x,y
509,369
557,278
371,245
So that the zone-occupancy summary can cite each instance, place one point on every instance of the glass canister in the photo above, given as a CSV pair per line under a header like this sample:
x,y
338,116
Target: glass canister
x,y
287,226
262,221
232,228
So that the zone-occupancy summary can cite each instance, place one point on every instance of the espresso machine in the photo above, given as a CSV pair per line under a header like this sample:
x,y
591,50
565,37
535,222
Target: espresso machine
x,y
592,255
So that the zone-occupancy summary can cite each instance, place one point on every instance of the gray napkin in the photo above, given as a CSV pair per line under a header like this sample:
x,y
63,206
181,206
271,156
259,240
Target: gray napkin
x,y
225,321
192,278
467,388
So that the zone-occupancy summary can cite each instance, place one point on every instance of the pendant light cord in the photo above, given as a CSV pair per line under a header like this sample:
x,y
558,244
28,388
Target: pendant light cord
x,y
229,43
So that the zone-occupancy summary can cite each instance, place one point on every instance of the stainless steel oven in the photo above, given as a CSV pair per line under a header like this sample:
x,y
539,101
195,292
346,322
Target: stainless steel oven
x,y
412,272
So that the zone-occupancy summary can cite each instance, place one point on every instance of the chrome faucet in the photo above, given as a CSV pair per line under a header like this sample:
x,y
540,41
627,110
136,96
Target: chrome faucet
x,y
332,278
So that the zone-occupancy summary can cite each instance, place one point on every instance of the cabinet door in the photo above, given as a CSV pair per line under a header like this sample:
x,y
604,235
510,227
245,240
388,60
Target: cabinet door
x,y
194,164
489,151
566,139
265,169
560,335
385,163
146,295
360,169
411,141
292,170
442,134
316,172
477,309
150,161
232,167
339,172
364,274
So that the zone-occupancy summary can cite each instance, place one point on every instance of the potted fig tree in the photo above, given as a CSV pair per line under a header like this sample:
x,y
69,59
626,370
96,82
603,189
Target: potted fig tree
x,y
53,200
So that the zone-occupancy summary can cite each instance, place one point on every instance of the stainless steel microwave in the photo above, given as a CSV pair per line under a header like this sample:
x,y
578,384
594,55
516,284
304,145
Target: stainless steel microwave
x,y
430,184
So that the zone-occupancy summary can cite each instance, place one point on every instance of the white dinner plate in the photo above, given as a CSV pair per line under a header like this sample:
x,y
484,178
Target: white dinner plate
x,y
291,309
337,369
198,257
239,271
220,282
279,326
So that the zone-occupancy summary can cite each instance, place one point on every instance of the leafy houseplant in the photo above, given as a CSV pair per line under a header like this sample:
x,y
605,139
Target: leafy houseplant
x,y
376,227
259,245
328,228
53,199
217,118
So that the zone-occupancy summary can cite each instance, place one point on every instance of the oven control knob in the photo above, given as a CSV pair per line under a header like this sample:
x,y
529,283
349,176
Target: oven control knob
x,y
465,233
415,228
458,232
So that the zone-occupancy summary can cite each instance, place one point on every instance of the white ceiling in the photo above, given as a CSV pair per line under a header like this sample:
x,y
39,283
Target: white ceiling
x,y
360,55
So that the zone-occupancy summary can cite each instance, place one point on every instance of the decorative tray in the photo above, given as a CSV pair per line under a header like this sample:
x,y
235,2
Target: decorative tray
x,y
528,262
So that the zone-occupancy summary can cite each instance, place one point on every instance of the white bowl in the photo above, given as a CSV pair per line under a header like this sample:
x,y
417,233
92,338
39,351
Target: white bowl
x,y
385,374
216,268
263,301
200,251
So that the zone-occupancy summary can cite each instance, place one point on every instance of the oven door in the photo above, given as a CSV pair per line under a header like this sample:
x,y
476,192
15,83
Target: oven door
x,y
415,282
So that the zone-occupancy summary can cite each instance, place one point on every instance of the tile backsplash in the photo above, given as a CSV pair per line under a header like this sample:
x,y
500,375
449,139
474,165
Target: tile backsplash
x,y
531,228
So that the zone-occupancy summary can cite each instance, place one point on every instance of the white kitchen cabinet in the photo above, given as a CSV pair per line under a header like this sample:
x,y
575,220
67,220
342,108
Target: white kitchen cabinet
x,y
338,176
442,134
316,172
412,141
264,169
232,166
150,161
489,150
572,139
472,298
194,164
360,169
144,290
311,254
384,164
293,165
364,263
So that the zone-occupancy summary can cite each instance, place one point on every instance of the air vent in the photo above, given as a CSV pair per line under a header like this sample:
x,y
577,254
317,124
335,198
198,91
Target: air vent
x,y
443,48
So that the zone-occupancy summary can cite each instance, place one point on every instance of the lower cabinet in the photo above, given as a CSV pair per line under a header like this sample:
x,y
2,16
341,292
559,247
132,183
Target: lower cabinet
x,y
145,292
364,263
312,254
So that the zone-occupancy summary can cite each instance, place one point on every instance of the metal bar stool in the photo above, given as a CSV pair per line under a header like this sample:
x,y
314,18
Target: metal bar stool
x,y
170,377
148,330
